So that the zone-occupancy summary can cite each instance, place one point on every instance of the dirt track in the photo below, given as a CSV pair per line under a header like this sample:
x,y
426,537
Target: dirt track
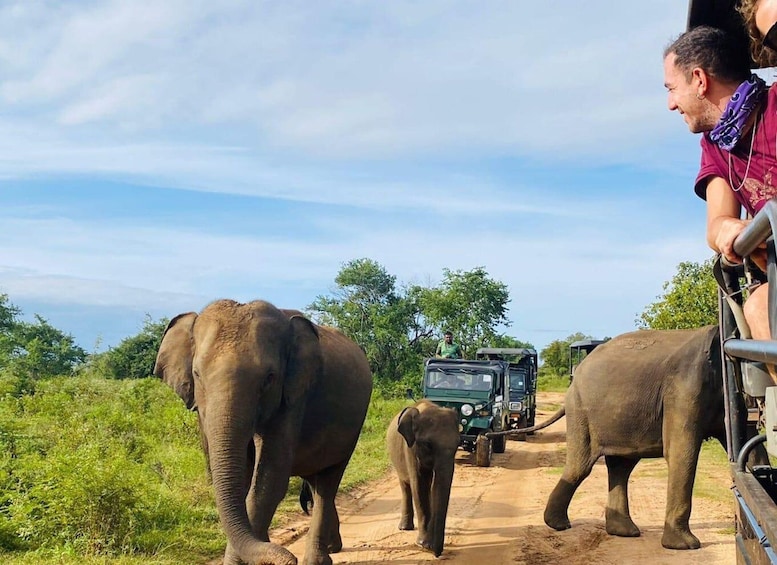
x,y
495,514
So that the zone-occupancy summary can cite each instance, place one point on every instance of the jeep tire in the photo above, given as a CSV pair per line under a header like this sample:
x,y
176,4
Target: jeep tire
x,y
483,448
499,444
523,423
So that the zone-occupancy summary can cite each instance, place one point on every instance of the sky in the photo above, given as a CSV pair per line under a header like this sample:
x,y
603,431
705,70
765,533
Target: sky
x,y
158,155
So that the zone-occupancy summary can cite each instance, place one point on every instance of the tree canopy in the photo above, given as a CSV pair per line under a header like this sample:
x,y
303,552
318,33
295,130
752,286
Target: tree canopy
x,y
36,349
690,300
555,356
399,325
133,357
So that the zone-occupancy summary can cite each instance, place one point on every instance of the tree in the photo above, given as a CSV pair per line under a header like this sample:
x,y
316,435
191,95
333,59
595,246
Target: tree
x,y
469,303
8,321
367,307
133,357
508,341
690,300
555,357
41,350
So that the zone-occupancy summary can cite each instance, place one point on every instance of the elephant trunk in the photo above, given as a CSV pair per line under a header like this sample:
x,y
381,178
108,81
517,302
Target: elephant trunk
x,y
228,448
441,493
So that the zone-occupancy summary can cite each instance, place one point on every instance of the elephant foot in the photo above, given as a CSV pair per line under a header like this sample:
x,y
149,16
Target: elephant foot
x,y
320,559
335,545
406,523
618,524
276,555
674,538
557,520
424,544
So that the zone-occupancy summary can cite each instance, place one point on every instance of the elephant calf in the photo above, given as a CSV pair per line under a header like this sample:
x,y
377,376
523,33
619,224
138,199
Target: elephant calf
x,y
422,442
643,394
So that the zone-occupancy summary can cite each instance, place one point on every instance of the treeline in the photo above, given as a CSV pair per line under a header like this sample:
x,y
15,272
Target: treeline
x,y
397,325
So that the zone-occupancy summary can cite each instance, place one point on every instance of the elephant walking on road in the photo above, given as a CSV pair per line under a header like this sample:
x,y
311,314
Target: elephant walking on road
x,y
422,441
276,396
649,393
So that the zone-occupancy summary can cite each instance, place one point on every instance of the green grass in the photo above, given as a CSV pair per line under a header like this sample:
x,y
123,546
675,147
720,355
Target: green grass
x,y
553,383
96,471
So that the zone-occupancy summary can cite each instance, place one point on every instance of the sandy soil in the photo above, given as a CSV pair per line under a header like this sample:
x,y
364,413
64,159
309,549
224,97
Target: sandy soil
x,y
495,514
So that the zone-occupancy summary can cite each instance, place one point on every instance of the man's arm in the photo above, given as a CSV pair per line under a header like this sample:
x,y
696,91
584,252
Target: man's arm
x,y
723,218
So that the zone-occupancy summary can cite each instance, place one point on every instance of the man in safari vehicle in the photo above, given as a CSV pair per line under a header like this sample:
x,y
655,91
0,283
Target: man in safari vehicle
x,y
447,349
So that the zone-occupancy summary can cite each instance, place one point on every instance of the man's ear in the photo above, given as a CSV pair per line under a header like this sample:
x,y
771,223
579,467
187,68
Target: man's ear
x,y
700,81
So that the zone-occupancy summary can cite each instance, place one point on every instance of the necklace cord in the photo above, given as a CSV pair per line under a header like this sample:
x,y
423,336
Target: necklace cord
x,y
749,159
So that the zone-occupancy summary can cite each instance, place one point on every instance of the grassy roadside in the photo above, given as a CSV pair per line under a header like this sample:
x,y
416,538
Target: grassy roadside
x,y
98,472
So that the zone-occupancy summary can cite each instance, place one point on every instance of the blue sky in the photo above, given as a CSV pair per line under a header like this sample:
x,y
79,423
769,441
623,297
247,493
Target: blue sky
x,y
158,155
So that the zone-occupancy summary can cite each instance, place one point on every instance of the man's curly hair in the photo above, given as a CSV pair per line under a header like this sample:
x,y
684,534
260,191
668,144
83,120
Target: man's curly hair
x,y
762,55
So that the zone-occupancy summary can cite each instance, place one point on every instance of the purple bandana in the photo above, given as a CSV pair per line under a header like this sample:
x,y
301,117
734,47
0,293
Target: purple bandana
x,y
748,95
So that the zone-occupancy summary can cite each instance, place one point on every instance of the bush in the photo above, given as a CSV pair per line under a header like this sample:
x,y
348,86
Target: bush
x,y
99,467
550,381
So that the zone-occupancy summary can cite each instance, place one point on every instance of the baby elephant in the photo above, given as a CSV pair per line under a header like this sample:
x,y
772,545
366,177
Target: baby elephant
x,y
422,442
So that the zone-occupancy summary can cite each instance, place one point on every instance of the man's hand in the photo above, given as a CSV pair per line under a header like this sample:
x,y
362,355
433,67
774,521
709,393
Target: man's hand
x,y
728,230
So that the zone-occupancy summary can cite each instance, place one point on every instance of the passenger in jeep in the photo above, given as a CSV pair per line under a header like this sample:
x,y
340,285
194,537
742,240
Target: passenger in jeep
x,y
709,82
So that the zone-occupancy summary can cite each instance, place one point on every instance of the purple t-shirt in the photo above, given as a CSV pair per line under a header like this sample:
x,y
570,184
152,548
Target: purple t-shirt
x,y
761,182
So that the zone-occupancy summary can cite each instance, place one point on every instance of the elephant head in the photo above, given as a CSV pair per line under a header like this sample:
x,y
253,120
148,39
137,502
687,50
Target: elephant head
x,y
431,438
246,368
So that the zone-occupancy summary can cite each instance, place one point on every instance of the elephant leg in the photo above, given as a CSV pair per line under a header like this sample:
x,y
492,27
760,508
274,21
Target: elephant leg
x,y
422,491
270,482
580,462
617,518
681,451
324,533
406,516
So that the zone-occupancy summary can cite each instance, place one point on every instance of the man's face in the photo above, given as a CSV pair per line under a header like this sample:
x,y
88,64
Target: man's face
x,y
448,338
683,97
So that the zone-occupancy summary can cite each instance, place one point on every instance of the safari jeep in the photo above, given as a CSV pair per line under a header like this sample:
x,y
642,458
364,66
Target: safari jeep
x,y
522,383
478,391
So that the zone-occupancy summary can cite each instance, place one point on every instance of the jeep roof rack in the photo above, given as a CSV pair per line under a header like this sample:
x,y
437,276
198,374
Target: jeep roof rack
x,y
505,351
587,345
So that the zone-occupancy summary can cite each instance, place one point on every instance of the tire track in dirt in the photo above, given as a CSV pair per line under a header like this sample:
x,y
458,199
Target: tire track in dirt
x,y
495,515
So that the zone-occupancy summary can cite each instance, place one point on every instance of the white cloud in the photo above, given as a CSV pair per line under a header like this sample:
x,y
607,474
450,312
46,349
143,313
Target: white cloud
x,y
353,80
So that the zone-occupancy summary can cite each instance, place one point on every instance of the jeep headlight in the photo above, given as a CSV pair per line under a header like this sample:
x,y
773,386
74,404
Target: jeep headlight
x,y
516,406
467,410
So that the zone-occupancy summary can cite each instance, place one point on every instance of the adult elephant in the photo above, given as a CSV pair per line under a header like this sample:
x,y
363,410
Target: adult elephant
x,y
276,396
649,393
422,441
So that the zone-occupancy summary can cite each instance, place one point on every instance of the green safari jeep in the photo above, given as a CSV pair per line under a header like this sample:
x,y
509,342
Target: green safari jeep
x,y
478,391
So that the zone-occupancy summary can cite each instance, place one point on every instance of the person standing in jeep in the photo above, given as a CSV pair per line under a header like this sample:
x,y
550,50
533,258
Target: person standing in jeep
x,y
447,349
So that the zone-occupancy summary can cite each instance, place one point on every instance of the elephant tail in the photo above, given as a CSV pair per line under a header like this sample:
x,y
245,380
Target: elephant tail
x,y
306,497
560,413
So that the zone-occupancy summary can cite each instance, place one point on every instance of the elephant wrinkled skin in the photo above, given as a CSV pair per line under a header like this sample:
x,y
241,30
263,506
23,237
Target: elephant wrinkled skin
x,y
276,396
649,393
422,442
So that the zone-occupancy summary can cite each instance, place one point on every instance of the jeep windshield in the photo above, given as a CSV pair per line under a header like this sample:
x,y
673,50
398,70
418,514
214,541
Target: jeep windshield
x,y
517,384
459,379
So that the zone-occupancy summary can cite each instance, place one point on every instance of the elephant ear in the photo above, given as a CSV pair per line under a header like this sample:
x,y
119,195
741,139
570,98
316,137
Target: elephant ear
x,y
174,359
406,424
304,364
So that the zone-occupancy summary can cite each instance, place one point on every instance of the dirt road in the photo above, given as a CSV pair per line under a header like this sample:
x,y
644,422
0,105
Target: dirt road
x,y
495,514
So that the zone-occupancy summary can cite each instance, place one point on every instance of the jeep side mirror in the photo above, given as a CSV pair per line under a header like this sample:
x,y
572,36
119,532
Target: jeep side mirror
x,y
409,393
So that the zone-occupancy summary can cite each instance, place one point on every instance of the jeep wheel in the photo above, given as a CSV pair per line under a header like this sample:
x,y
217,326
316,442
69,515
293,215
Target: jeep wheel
x,y
499,443
521,424
531,424
483,448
